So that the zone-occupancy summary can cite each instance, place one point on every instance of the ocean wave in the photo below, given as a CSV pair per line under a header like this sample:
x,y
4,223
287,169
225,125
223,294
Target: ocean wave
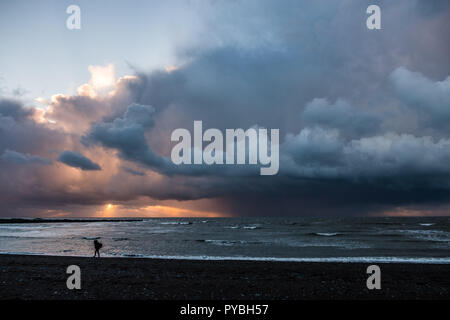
x,y
422,260
248,227
25,253
360,259
299,224
120,239
33,234
132,255
383,233
326,234
252,227
176,223
227,242
24,227
16,237
347,245
428,235
386,223
91,238
441,245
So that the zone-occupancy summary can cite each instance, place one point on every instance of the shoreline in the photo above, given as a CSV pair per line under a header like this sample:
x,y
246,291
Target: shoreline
x,y
34,277
345,260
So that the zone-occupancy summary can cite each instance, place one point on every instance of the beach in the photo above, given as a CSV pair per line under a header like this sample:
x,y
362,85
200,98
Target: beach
x,y
33,277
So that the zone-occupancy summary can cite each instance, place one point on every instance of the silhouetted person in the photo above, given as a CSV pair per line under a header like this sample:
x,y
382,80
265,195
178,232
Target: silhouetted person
x,y
97,246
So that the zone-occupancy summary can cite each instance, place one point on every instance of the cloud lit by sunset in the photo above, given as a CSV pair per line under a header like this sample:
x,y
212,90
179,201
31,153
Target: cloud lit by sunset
x,y
102,76
362,116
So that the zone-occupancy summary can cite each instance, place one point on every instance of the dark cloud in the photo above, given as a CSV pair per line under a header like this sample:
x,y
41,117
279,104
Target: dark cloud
x,y
127,134
20,158
14,109
340,115
77,160
325,154
21,133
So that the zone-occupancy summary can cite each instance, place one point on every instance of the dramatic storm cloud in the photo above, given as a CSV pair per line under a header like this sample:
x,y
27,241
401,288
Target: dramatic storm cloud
x,y
362,116
127,135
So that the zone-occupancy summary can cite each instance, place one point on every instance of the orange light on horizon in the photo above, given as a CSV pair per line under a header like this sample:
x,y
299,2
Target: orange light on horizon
x,y
108,211
175,212
154,211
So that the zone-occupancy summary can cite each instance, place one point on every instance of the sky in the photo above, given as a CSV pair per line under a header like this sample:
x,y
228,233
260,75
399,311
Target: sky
x,y
86,115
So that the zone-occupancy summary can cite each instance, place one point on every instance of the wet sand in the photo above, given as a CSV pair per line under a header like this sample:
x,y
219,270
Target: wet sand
x,y
41,277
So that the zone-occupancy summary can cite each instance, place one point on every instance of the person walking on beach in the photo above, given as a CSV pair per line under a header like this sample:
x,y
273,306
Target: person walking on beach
x,y
97,246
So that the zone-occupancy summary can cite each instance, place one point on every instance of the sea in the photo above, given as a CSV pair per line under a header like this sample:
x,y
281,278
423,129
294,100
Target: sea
x,y
368,239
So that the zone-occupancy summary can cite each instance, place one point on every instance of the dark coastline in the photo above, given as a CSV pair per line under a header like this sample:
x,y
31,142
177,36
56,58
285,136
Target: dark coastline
x,y
44,277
